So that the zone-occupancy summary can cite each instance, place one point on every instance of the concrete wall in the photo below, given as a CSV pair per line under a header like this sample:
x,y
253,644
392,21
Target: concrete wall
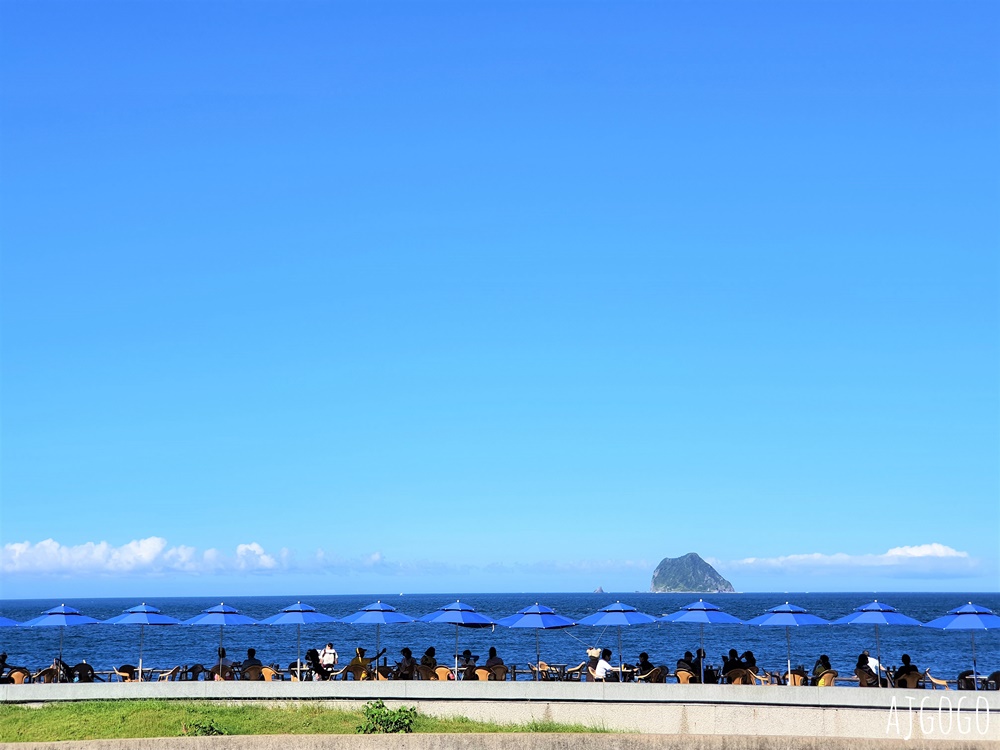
x,y
724,711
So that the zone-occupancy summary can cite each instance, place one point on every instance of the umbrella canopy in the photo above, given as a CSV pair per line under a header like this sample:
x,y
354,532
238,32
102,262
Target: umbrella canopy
x,y
377,614
539,617
461,616
876,613
61,617
971,617
6,622
298,614
220,615
617,615
142,615
787,616
701,613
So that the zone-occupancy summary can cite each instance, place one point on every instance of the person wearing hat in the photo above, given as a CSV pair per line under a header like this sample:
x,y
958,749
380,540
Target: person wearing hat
x,y
362,660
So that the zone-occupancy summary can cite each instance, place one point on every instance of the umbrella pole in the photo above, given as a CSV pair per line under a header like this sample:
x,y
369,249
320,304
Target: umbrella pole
x,y
378,642
62,629
298,644
538,656
621,662
878,653
788,652
975,676
456,653
141,629
701,656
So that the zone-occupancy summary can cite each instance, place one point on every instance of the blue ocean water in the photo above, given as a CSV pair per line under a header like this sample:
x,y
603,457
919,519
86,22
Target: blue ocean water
x,y
946,653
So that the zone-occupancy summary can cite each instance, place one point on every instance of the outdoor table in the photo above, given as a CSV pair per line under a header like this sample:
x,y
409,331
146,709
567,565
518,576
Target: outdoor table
x,y
558,671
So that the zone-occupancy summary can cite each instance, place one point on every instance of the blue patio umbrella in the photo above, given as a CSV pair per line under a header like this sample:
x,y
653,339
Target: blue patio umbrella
x,y
539,617
876,613
971,617
787,616
298,614
61,617
377,614
6,622
617,615
701,613
461,616
142,615
220,615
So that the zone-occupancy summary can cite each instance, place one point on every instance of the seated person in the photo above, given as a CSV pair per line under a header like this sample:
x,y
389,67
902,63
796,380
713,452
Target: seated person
x,y
965,681
328,656
223,661
905,669
749,661
685,663
406,666
429,658
866,676
467,659
603,667
362,660
319,671
645,666
731,662
696,664
493,660
822,665
251,660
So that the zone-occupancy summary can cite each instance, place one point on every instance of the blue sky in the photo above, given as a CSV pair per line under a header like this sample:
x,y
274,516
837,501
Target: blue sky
x,y
503,296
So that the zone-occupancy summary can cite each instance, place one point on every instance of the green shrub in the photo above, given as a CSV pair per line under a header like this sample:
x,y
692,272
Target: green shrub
x,y
204,729
378,719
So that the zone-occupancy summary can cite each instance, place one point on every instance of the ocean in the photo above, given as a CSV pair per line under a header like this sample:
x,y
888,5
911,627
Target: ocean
x,y
945,653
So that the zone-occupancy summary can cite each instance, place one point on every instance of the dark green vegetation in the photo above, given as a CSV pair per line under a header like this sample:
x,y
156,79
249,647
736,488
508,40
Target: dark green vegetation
x,y
379,719
91,720
688,574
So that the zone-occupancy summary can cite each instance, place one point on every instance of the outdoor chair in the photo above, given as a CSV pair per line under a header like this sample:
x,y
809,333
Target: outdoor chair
x,y
827,678
910,680
738,677
540,672
864,678
83,672
653,675
483,674
354,672
499,672
171,675
756,679
794,678
334,674
443,673
47,675
685,677
19,675
253,672
195,672
382,673
935,682
575,674
425,673
993,681
222,672
125,673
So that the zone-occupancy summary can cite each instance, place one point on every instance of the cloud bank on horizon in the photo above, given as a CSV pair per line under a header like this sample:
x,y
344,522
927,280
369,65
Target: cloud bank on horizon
x,y
153,556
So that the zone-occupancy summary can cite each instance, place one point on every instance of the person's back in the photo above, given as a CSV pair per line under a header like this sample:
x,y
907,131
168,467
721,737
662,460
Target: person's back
x,y
328,656
493,660
252,660
732,661
905,669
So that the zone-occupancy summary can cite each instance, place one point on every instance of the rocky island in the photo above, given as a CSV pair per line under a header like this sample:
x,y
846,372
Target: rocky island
x,y
688,574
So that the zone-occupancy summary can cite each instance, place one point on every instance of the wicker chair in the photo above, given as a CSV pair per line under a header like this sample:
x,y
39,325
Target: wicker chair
x,y
221,672
499,672
253,672
125,673
653,675
425,673
19,675
685,677
738,676
909,680
827,678
935,682
47,675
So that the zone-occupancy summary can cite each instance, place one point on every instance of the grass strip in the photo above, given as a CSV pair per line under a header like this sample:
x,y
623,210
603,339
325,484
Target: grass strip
x,y
129,719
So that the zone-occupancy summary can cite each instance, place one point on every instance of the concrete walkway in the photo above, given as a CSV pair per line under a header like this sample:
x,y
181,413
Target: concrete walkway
x,y
727,713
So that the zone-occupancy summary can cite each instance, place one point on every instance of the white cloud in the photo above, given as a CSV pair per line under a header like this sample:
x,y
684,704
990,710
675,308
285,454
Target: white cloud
x,y
917,560
137,557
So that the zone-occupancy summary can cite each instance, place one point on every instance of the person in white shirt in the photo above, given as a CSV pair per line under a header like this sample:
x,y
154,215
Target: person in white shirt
x,y
603,665
223,661
328,656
